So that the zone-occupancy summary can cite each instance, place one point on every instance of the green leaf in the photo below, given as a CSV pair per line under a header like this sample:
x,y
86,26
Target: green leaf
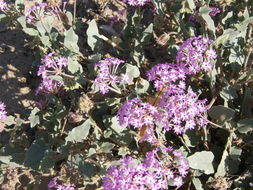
x,y
35,154
227,17
33,118
132,71
31,31
229,93
222,167
19,5
147,34
56,77
93,34
85,168
197,183
141,86
234,160
106,147
45,41
73,65
71,40
5,159
10,120
202,161
246,104
221,114
22,21
70,17
191,4
113,124
80,133
2,16
204,13
159,6
245,125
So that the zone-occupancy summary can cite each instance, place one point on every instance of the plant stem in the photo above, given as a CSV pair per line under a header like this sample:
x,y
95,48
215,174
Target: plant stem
x,y
74,20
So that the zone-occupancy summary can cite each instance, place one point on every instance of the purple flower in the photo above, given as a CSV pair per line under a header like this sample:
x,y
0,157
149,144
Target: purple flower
x,y
3,5
158,167
54,184
196,54
165,74
3,113
52,65
214,11
181,111
34,12
107,74
139,114
136,113
136,2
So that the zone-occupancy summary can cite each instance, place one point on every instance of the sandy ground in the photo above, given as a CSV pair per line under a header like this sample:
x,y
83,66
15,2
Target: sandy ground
x,y
15,64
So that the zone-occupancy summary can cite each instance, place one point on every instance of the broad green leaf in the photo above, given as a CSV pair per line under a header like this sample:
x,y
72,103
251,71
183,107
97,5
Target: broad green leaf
x,y
80,133
141,86
204,13
227,17
106,147
159,6
147,34
56,77
246,104
33,118
197,183
222,167
234,160
35,154
22,21
71,40
45,41
191,4
73,66
112,101
70,17
113,124
2,16
132,71
229,93
31,31
85,168
10,120
221,114
19,5
5,159
245,125
202,161
93,34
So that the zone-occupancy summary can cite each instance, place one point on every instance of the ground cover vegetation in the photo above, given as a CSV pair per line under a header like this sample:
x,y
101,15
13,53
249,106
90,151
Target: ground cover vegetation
x,y
132,94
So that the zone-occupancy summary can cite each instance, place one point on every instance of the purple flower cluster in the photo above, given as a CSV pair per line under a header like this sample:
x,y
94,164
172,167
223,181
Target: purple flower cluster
x,y
177,111
165,74
52,66
3,5
107,74
196,54
161,168
138,114
214,11
136,2
34,12
182,111
54,184
3,113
